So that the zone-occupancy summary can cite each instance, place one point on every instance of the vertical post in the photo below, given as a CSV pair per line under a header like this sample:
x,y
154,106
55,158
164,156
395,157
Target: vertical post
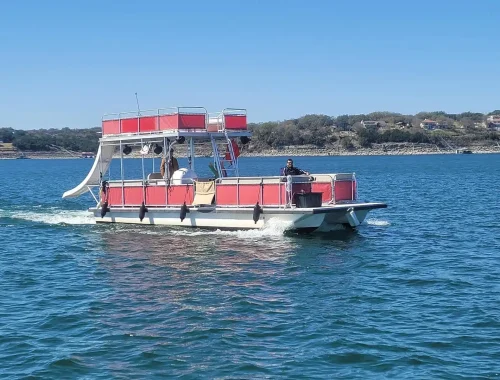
x,y
237,191
153,163
142,162
158,120
261,200
334,180
100,168
289,189
143,175
191,154
167,165
163,157
138,114
122,174
279,193
353,186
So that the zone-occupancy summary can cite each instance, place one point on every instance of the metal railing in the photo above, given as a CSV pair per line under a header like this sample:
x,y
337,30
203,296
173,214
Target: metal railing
x,y
281,181
214,122
156,113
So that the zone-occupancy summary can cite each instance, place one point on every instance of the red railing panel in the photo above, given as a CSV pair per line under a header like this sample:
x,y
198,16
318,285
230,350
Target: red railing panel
x,y
344,190
129,125
168,122
192,121
271,194
178,194
226,195
115,196
235,121
111,127
134,196
155,195
324,188
249,194
148,123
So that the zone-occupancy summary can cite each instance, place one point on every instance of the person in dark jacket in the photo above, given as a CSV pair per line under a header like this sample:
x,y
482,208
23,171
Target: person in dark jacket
x,y
292,170
173,165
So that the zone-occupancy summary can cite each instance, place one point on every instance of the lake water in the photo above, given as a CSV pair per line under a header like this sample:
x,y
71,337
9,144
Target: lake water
x,y
414,293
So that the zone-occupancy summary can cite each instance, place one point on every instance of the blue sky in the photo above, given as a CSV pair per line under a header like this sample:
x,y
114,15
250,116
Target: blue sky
x,y
66,63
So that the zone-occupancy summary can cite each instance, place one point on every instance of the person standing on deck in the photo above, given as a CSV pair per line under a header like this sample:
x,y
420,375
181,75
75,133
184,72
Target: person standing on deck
x,y
292,170
173,165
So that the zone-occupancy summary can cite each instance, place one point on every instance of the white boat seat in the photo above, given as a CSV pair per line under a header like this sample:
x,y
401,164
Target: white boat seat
x,y
154,176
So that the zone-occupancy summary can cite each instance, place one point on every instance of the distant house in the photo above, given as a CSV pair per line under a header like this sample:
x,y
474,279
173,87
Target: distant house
x,y
403,125
429,124
369,123
493,122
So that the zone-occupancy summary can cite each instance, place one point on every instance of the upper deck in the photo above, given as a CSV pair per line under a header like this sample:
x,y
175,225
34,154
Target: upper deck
x,y
187,121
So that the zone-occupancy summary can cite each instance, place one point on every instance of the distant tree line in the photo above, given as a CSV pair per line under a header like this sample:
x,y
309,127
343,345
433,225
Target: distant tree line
x,y
322,130
79,140
313,130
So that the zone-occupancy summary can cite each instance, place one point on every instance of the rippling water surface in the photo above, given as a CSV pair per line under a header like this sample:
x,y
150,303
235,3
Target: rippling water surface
x,y
414,293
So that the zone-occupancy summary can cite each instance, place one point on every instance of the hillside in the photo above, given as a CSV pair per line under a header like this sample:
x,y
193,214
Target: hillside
x,y
378,131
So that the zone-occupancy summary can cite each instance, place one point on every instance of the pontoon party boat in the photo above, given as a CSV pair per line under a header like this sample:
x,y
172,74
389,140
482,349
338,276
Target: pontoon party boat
x,y
306,203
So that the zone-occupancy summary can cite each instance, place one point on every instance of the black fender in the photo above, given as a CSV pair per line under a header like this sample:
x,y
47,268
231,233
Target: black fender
x,y
104,209
184,211
142,211
257,210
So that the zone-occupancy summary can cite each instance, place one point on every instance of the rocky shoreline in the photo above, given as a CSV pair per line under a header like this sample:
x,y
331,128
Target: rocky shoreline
x,y
395,149
385,150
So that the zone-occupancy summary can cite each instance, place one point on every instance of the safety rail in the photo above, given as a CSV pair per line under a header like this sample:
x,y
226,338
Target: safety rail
x,y
227,119
153,121
270,191
188,119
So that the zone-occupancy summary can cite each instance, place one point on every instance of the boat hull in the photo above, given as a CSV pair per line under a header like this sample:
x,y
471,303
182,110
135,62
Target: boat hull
x,y
318,219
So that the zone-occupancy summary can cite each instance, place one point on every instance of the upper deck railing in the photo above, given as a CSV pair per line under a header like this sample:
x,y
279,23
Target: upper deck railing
x,y
186,119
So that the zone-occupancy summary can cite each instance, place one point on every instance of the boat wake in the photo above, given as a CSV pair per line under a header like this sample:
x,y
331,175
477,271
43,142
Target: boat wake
x,y
273,228
378,222
55,216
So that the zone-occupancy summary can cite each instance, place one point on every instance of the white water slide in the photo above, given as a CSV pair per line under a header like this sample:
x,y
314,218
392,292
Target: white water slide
x,y
101,165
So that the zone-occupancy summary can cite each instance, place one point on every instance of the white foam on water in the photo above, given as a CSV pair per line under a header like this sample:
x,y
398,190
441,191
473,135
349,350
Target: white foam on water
x,y
56,217
377,222
273,228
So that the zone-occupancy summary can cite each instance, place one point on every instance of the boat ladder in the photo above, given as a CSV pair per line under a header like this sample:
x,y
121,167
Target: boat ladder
x,y
225,159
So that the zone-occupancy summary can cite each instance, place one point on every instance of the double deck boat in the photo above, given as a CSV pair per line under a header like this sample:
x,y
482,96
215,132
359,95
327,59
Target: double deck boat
x,y
225,200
